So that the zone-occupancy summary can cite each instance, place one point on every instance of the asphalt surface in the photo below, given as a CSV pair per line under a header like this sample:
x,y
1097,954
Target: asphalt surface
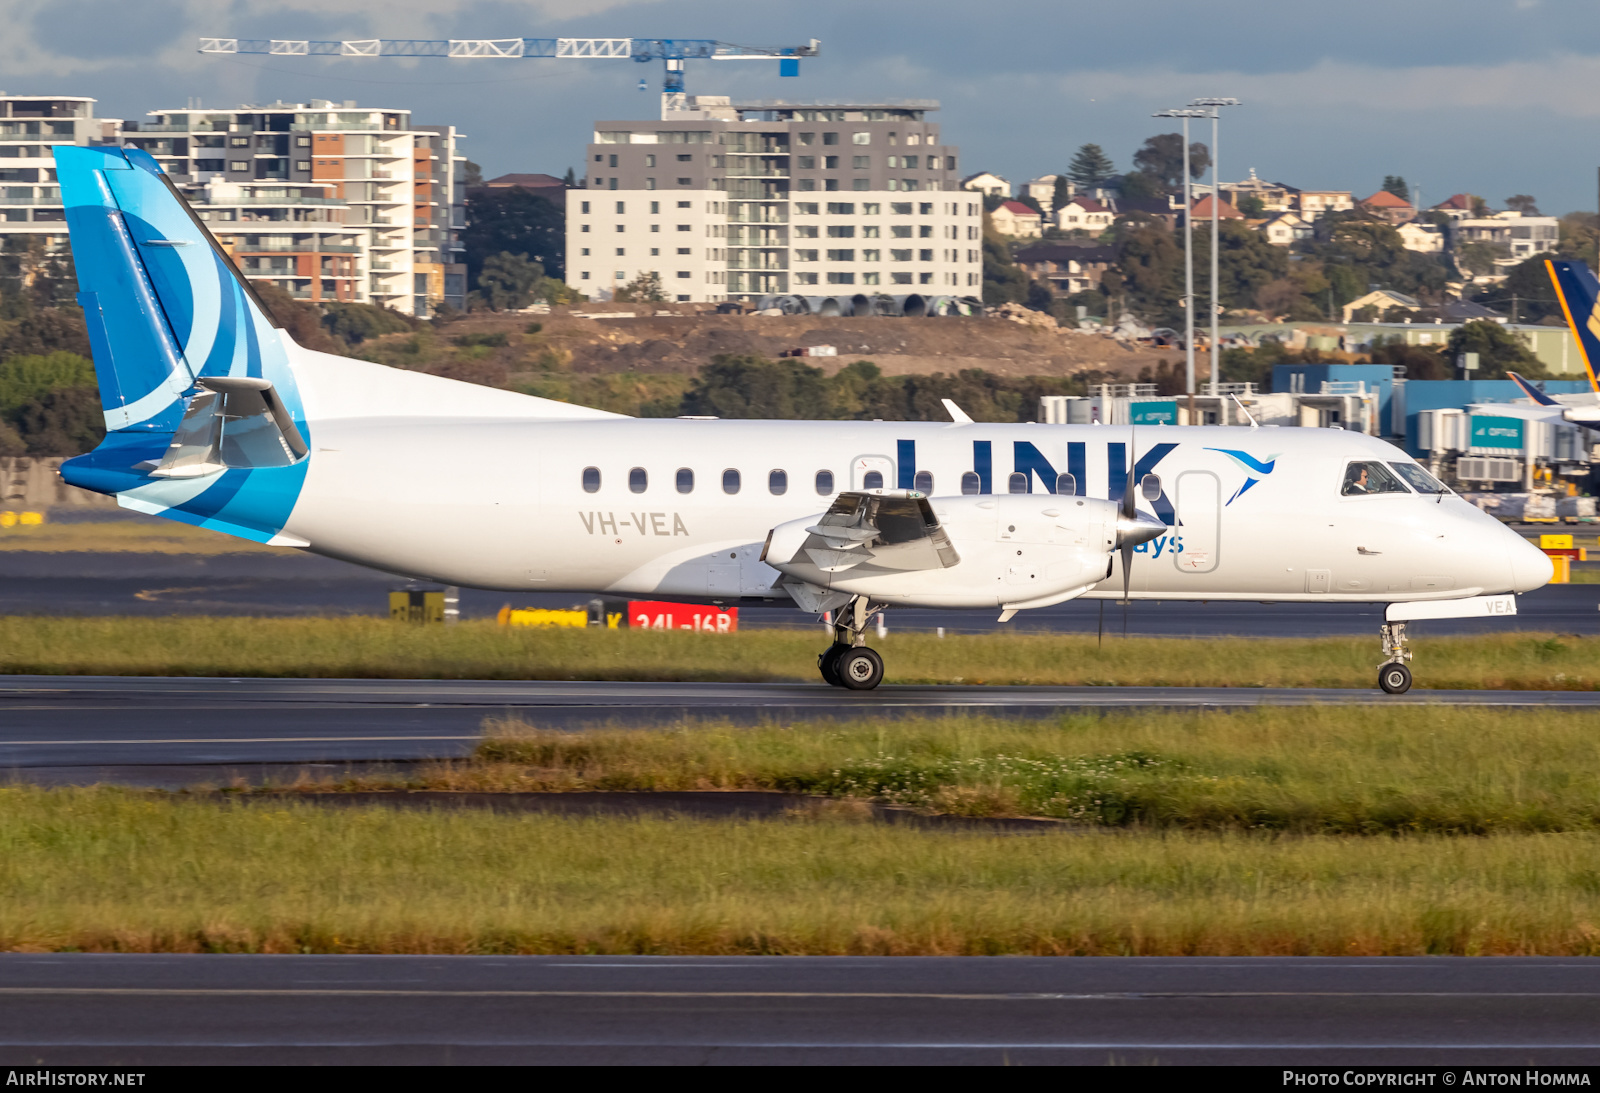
x,y
78,728
80,583
137,1009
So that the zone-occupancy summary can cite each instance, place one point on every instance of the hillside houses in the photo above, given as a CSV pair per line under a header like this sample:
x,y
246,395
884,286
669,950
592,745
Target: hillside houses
x,y
1067,268
988,184
1389,207
1016,219
1084,214
1069,247
1273,196
1284,229
1520,236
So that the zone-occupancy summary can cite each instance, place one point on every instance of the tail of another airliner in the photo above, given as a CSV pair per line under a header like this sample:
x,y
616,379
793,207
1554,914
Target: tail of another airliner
x,y
1579,293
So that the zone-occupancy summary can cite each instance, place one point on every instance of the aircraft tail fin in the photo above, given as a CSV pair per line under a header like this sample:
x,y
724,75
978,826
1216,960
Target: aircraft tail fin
x,y
204,419
1579,293
1539,397
163,302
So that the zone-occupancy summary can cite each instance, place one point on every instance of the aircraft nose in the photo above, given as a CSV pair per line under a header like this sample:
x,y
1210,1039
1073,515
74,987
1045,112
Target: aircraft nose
x,y
1530,567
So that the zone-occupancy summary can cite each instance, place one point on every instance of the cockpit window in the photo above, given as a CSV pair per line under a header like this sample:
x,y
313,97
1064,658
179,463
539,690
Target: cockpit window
x,y
1373,477
1419,479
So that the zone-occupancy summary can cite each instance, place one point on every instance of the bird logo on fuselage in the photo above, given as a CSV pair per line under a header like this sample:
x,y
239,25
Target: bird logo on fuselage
x,y
1255,469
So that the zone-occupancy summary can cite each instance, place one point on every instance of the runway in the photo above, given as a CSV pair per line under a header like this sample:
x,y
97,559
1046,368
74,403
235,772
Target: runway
x,y
63,1009
77,726
150,584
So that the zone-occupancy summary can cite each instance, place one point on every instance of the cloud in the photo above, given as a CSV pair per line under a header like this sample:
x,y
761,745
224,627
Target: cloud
x,y
1478,95
99,29
1547,86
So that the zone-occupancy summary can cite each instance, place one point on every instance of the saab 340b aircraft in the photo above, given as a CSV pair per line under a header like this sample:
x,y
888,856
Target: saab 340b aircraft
x,y
216,418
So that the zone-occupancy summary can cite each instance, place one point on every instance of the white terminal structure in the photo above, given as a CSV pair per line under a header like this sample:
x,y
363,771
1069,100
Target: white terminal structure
x,y
739,201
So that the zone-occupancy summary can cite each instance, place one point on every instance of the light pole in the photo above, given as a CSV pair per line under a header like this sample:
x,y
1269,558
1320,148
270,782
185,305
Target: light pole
x,y
1216,196
1188,254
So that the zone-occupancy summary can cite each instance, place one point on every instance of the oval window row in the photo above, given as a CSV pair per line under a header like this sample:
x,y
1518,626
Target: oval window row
x,y
778,482
732,481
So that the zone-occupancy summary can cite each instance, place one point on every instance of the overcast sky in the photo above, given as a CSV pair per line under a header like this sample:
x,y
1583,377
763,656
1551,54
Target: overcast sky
x,y
1492,97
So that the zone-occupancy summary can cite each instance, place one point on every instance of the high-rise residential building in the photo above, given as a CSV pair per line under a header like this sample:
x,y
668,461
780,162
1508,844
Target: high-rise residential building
x,y
296,236
30,126
726,200
307,167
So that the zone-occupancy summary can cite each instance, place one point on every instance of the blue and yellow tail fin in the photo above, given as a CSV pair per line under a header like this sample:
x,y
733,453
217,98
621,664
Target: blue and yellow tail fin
x,y
1579,293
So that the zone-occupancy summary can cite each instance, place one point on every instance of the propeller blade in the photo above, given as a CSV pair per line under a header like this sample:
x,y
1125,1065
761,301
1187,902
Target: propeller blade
x,y
1127,578
1129,514
1127,479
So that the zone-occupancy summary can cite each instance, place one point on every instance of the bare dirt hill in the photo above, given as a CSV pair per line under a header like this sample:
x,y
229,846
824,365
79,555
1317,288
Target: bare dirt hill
x,y
680,339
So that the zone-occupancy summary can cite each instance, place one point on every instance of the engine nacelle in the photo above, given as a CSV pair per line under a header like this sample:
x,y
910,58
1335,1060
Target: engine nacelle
x,y
991,550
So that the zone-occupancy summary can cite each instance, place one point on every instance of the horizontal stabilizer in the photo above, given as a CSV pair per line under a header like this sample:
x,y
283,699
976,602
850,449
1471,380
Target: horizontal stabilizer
x,y
234,421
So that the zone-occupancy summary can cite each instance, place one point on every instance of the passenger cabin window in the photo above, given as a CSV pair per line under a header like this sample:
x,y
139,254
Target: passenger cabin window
x,y
1370,477
591,480
872,480
685,480
924,482
970,483
1419,479
730,481
1018,482
638,480
778,483
1066,485
824,483
1150,486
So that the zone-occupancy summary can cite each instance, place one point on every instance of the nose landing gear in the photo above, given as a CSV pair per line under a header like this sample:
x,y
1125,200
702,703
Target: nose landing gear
x,y
848,662
1393,675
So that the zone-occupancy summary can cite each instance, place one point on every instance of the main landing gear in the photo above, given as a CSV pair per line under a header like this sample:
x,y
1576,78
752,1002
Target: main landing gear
x,y
1393,675
848,662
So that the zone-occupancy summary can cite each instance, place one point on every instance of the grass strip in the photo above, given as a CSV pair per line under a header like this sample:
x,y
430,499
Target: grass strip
x,y
1317,770
118,871
115,536
375,648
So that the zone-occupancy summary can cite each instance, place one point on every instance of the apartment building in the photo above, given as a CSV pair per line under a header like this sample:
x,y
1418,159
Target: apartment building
x,y
1520,237
298,237
396,183
30,127
723,200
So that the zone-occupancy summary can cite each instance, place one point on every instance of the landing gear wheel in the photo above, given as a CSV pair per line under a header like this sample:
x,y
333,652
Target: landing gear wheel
x,y
1395,678
828,664
859,669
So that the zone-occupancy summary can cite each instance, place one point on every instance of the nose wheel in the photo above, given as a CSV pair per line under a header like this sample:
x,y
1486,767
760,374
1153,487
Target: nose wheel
x,y
1393,675
848,662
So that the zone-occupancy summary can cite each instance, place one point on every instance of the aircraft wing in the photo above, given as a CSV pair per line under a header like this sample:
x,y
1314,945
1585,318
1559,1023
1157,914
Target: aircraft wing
x,y
1586,416
1553,415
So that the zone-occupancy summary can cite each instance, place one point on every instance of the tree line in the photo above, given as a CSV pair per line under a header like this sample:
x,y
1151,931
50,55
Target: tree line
x,y
49,398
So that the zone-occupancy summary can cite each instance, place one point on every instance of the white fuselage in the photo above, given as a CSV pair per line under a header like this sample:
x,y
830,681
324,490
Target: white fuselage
x,y
493,496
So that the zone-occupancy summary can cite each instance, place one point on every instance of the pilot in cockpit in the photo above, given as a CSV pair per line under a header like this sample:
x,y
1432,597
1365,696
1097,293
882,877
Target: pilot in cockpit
x,y
1355,480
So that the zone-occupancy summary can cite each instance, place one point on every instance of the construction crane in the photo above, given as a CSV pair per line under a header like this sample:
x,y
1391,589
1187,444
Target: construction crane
x,y
672,52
